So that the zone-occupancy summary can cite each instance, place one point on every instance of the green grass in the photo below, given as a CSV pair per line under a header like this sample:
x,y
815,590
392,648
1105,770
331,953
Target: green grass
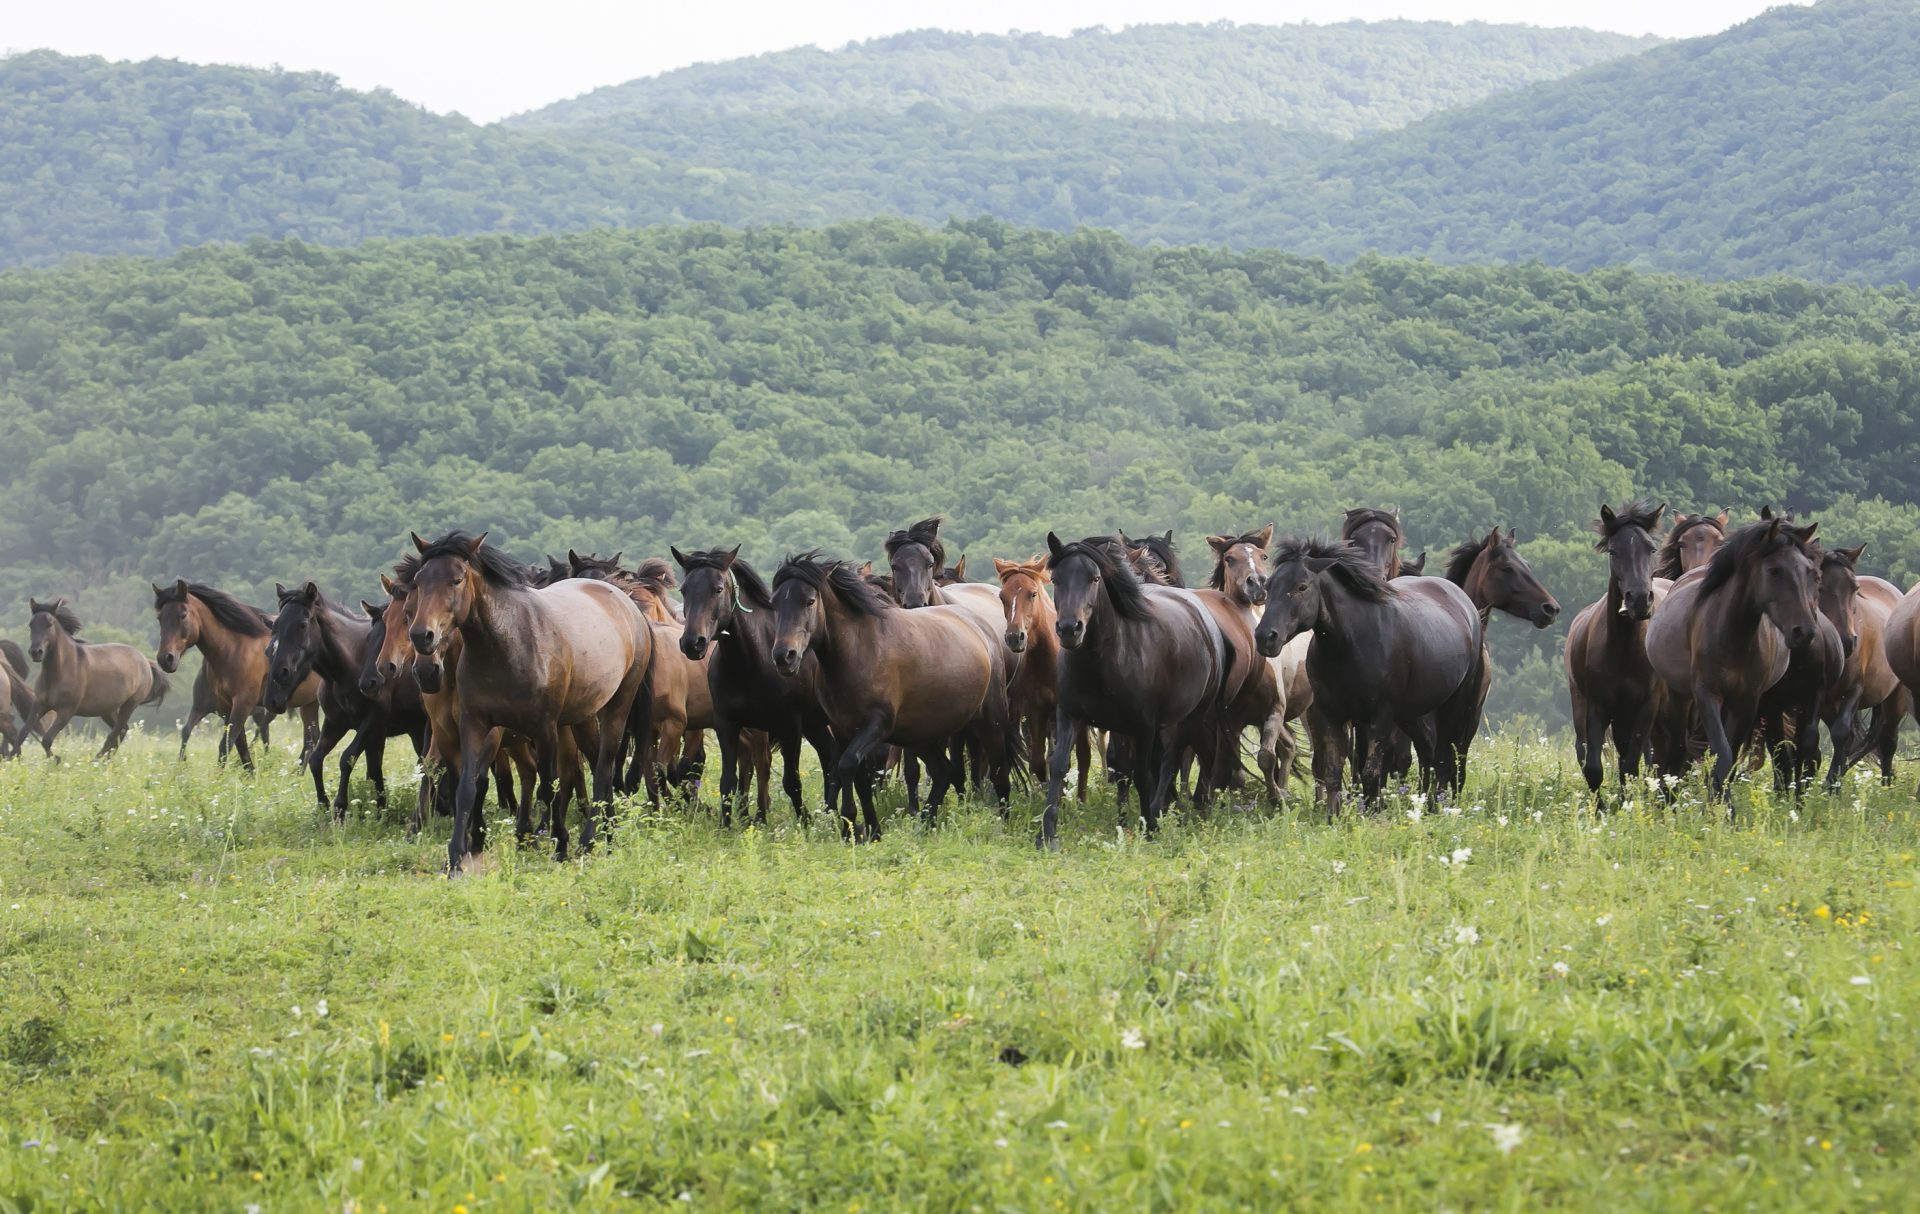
x,y
1260,1011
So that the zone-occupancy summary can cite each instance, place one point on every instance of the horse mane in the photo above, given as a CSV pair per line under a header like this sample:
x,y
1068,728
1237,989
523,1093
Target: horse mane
x,y
1641,513
925,533
16,657
1125,590
1217,580
320,601
403,571
61,613
1460,559
854,591
1162,549
1359,516
1753,542
1350,565
1666,561
657,573
495,566
753,587
243,618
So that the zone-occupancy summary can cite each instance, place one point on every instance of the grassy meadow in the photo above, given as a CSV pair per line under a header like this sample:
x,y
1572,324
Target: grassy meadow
x,y
212,998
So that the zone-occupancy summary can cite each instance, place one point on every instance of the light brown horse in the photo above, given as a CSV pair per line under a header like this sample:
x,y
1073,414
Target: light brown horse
x,y
537,661
16,699
1689,544
1239,572
232,640
78,679
1871,681
1034,692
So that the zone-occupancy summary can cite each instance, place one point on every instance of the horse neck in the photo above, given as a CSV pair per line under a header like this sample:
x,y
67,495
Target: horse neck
x,y
220,645
746,635
495,619
845,629
63,652
1341,614
343,648
1620,627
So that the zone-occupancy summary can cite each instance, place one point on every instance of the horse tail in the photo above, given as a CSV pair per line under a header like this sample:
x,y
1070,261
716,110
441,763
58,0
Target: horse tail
x,y
161,684
16,658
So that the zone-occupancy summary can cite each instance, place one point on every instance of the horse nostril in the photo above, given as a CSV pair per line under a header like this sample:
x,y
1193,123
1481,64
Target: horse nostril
x,y
422,639
1550,610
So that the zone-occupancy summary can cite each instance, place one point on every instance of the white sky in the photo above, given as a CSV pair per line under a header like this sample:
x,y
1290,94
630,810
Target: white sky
x,y
490,58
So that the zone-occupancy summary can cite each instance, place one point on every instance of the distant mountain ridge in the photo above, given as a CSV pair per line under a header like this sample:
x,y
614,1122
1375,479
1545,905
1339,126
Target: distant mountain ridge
x,y
1345,79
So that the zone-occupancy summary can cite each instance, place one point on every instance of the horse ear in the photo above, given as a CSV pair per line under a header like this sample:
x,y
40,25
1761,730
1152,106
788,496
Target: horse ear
x,y
1219,543
1607,515
1002,568
865,570
1055,547
679,557
1493,538
279,591
180,587
1662,509
1853,554
1169,537
373,613
1723,516
386,584
1396,514
1263,537
158,594
419,544
1766,514
1806,533
478,542
960,568
573,560
310,592
732,555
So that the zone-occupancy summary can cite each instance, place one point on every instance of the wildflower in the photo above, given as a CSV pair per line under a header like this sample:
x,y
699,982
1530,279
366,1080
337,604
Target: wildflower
x,y
1460,856
1501,819
386,1034
1056,1125
1506,1138
1339,866
1860,980
1823,911
296,1009
320,1008
1363,1148
1604,920
1466,935
1133,1039
656,1029
1451,810
1001,1143
1560,969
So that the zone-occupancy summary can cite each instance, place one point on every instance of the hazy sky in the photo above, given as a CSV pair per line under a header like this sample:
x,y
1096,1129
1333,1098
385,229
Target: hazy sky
x,y
489,58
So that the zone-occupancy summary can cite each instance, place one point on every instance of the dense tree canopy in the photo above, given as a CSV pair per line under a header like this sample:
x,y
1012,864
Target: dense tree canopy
x,y
278,410
1341,80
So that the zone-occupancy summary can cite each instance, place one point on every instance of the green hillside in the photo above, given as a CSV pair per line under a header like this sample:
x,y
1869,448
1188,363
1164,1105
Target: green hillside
x,y
247,414
1338,79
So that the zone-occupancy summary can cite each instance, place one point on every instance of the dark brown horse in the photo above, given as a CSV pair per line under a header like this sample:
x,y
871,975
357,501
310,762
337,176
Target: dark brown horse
x,y
1035,694
535,661
730,627
1609,681
1147,662
232,639
888,675
1377,534
1720,639
1817,674
80,679
1385,655
1497,578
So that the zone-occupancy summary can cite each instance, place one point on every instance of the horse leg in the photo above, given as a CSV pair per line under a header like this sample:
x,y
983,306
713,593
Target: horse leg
x,y
195,715
788,740
852,767
1843,726
1725,753
347,757
1329,758
237,737
941,762
1064,729
476,754
315,759
49,732
759,747
729,739
910,772
1165,757
826,749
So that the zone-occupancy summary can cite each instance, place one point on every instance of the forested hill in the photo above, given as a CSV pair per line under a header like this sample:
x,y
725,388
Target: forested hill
x,y
277,410
1342,79
1788,144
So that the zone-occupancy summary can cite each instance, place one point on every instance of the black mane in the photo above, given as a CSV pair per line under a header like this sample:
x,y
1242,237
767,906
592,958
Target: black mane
x,y
752,587
858,594
925,533
1359,516
1640,512
1666,562
1350,565
1461,557
1217,580
61,613
495,566
243,618
1753,542
1124,588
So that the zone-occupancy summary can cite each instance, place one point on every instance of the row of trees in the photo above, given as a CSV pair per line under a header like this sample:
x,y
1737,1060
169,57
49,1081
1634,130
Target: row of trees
x,y
281,410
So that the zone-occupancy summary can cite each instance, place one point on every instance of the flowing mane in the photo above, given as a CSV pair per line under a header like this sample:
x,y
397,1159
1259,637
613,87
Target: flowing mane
x,y
232,614
1350,566
1160,548
1641,513
1461,557
1666,562
1217,580
1124,588
856,593
1753,542
61,613
925,533
495,566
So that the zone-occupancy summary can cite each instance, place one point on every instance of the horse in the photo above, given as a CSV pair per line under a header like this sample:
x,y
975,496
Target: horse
x,y
889,675
1034,691
313,636
1722,638
730,627
1497,578
232,639
1386,655
1869,683
1377,534
1239,573
16,698
1689,544
81,679
1609,681
205,704
1154,559
1819,674
1147,662
1901,641
538,661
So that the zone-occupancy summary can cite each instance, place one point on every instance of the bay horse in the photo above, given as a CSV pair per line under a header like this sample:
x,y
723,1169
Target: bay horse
x,y
1720,639
1377,534
1034,692
1239,572
1689,544
106,681
537,661
1386,655
232,639
1146,662
1610,683
730,627
889,675
314,636
1497,578
1818,674
16,699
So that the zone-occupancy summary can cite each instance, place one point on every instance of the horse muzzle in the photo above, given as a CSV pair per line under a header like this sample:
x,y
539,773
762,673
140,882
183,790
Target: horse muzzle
x,y
39,653
423,639
1071,633
1545,614
166,659
1256,591
787,661
372,683
427,675
693,646
1267,641
1798,636
1017,641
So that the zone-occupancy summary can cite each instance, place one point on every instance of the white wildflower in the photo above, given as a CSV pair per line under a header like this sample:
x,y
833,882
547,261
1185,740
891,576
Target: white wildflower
x,y
1506,1138
1466,935
1133,1039
1603,920
1560,969
1860,980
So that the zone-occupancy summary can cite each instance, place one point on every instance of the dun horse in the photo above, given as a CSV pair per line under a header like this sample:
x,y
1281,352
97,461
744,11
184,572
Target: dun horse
x,y
84,680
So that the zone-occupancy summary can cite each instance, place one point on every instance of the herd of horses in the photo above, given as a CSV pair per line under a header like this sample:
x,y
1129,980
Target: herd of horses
x,y
575,680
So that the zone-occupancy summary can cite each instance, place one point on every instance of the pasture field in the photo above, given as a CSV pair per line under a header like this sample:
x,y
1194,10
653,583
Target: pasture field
x,y
210,998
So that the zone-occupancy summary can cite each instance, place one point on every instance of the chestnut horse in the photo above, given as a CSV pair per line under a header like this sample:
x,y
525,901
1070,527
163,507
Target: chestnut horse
x,y
536,661
1720,639
232,639
1609,681
730,627
1034,693
85,680
1239,572
888,675
205,705
1386,655
1147,662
